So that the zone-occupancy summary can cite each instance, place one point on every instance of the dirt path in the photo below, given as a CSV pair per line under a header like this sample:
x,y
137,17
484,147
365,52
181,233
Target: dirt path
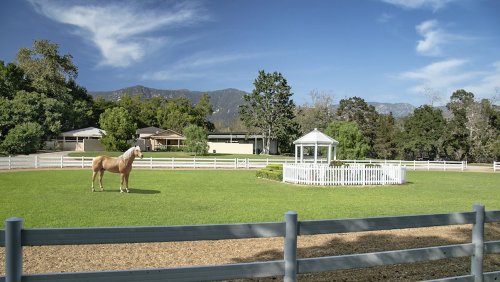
x,y
160,255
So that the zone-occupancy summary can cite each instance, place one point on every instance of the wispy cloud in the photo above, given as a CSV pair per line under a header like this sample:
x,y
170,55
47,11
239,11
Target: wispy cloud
x,y
434,38
197,66
384,18
121,31
449,75
420,4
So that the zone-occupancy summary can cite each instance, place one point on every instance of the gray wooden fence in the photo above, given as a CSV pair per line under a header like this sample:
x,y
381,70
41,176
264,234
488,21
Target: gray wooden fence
x,y
14,237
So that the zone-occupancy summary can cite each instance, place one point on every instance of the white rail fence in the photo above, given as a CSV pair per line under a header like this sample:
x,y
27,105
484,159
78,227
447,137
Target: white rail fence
x,y
496,166
215,163
354,174
14,237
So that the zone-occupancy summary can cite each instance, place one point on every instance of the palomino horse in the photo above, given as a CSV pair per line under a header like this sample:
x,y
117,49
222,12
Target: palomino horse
x,y
122,165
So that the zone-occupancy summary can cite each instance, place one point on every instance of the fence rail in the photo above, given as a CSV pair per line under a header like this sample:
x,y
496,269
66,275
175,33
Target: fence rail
x,y
18,162
354,174
496,166
14,237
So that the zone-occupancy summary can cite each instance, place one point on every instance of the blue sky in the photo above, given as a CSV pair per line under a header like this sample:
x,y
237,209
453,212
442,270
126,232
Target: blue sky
x,y
381,50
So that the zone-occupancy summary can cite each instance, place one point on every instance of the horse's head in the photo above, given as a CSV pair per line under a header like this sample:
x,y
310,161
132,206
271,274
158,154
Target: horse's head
x,y
137,152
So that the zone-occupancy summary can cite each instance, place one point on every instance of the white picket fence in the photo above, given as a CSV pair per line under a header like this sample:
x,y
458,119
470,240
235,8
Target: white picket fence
x,y
354,174
206,162
496,166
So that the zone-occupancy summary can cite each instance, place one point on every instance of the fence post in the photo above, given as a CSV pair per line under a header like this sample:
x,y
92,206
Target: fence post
x,y
13,250
151,162
478,241
83,162
290,250
10,163
36,161
62,164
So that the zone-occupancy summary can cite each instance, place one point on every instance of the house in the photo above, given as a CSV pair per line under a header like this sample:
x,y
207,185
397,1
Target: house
x,y
155,139
238,143
83,139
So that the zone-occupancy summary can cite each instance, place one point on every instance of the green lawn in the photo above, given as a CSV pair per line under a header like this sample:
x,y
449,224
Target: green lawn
x,y
180,155
62,198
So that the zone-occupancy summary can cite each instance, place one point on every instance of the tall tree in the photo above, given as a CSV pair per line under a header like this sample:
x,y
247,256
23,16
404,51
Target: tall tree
x,y
120,128
269,108
319,113
357,110
352,145
196,140
423,133
385,142
175,114
47,70
458,141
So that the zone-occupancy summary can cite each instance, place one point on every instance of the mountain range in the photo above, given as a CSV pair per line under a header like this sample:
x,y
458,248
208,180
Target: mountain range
x,y
225,102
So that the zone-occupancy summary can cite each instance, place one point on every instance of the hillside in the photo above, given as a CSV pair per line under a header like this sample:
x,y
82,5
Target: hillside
x,y
225,102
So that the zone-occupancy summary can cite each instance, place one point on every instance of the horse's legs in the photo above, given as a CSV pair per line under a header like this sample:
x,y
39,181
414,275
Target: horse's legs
x,y
93,179
101,173
122,178
126,182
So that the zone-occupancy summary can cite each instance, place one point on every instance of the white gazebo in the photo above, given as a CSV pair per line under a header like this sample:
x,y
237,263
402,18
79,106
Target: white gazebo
x,y
316,139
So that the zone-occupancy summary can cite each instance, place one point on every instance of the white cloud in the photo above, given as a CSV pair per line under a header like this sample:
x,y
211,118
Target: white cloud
x,y
197,66
449,75
419,4
384,18
434,38
121,31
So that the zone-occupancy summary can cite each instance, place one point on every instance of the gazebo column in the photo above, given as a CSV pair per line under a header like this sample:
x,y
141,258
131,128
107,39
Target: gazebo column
x,y
295,153
315,152
301,153
335,153
329,153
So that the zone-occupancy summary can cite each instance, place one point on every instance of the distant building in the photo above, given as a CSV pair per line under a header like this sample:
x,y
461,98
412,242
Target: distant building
x,y
238,143
158,139
83,140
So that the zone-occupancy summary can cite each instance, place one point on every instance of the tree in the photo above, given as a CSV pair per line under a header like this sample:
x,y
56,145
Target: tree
x,y
269,108
357,110
196,140
149,110
201,111
458,143
12,79
175,114
385,142
423,132
317,114
24,138
120,129
352,145
48,71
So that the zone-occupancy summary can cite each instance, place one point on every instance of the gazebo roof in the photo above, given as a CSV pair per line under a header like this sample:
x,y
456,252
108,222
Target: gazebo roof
x,y
315,137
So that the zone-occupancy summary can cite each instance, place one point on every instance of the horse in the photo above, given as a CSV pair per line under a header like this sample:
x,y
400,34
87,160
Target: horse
x,y
122,165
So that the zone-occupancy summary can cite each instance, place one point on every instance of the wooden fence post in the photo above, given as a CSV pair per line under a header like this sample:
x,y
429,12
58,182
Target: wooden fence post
x,y
478,241
10,162
13,250
290,250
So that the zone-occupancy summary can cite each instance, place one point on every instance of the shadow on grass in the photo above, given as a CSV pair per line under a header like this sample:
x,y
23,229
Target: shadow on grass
x,y
134,191
367,242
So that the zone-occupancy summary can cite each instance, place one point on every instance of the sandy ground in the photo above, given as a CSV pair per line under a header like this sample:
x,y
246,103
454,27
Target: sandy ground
x,y
47,259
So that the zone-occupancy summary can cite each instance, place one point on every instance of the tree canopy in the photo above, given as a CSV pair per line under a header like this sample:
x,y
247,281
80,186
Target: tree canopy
x,y
269,109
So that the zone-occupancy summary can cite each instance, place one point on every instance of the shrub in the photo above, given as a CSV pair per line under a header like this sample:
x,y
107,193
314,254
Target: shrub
x,y
25,138
272,172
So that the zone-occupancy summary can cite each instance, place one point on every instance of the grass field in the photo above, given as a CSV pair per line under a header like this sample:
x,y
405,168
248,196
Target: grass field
x,y
62,198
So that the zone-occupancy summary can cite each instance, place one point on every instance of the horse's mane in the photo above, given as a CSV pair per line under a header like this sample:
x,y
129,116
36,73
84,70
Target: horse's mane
x,y
128,153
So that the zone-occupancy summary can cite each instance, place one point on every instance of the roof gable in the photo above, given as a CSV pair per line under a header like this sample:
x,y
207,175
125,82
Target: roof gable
x,y
170,134
316,137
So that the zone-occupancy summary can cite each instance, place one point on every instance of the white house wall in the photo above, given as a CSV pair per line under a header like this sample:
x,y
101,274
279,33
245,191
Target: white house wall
x,y
230,148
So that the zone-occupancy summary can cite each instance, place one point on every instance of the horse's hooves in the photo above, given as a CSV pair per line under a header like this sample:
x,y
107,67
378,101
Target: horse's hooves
x,y
93,190
121,191
128,191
